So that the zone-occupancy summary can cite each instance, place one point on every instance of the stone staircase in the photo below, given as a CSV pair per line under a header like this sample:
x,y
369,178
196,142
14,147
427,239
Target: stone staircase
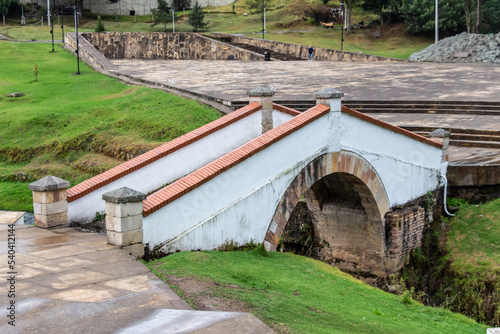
x,y
459,136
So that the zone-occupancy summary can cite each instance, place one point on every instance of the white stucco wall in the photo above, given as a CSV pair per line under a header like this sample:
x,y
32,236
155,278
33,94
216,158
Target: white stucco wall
x,y
172,166
407,167
280,118
141,7
239,203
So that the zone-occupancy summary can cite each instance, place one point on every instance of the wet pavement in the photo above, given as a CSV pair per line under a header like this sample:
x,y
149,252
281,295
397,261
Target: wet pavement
x,y
65,281
295,80
230,80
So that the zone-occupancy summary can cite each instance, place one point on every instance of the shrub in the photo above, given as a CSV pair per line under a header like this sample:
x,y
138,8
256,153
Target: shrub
x,y
99,27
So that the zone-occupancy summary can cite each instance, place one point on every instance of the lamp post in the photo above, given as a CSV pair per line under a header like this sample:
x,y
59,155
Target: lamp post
x,y
437,22
264,20
62,21
173,20
52,25
48,12
342,27
77,48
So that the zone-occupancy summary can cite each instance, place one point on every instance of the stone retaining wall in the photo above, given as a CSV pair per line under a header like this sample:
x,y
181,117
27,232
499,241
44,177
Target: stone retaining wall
x,y
131,45
87,52
300,51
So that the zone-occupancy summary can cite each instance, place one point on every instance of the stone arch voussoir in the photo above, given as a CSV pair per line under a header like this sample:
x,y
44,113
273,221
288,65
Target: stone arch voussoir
x,y
364,178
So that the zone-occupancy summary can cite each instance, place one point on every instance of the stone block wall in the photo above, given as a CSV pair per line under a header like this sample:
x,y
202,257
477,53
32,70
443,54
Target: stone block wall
x,y
130,45
404,232
300,51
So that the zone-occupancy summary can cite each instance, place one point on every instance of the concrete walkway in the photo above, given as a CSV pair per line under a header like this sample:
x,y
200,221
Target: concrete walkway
x,y
295,80
66,281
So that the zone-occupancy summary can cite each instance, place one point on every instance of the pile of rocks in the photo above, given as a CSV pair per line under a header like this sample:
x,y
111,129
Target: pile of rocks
x,y
462,48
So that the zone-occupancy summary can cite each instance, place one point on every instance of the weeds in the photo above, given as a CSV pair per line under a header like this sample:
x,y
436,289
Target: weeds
x,y
232,246
99,216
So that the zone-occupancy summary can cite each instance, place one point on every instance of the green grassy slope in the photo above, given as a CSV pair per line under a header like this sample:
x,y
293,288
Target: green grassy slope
x,y
286,22
474,238
74,126
294,294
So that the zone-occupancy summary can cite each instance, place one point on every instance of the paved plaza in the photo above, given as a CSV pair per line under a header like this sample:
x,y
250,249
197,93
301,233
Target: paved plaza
x,y
66,281
296,80
230,80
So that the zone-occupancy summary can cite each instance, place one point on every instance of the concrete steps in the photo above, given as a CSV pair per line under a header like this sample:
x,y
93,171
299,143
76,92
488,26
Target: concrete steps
x,y
460,137
427,107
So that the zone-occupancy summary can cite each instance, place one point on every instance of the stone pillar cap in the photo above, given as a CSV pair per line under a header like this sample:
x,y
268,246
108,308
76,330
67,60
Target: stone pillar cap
x,y
124,195
261,91
440,133
328,93
49,183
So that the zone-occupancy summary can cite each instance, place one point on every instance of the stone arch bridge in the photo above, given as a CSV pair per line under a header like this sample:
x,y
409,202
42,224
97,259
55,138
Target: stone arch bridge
x,y
240,178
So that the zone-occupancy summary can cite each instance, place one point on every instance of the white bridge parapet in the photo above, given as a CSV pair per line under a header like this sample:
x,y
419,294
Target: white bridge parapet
x,y
239,192
227,180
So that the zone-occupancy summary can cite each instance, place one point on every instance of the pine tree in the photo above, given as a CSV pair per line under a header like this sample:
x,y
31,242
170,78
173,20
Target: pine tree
x,y
196,17
99,27
161,14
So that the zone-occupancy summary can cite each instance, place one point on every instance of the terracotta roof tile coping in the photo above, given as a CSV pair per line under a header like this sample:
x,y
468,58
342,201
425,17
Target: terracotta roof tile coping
x,y
388,126
157,153
229,160
286,110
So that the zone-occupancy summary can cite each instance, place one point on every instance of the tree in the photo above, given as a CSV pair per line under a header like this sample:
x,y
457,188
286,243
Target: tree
x,y
99,27
491,12
468,5
378,7
478,13
4,8
196,17
161,14
419,15
181,4
349,4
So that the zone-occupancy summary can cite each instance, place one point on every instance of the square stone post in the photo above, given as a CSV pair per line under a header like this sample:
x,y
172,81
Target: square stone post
x,y
264,95
443,137
124,219
332,98
50,202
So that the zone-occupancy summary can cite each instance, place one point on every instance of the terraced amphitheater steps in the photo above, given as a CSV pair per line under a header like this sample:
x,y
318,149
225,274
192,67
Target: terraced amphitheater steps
x,y
463,137
274,54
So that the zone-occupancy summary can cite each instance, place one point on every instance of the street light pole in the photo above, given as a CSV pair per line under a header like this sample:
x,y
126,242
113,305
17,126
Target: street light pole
x,y
437,22
52,26
77,47
173,20
62,21
342,27
264,20
48,12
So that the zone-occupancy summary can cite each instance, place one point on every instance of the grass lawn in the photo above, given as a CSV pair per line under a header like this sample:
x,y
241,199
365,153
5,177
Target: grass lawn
x,y
286,22
474,238
75,126
294,294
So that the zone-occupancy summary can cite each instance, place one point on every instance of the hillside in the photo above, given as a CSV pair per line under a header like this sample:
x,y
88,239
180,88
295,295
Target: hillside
x,y
292,21
295,294
458,265
76,126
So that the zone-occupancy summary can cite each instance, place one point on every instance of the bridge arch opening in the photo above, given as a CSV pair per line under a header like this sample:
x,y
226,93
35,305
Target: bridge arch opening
x,y
334,211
